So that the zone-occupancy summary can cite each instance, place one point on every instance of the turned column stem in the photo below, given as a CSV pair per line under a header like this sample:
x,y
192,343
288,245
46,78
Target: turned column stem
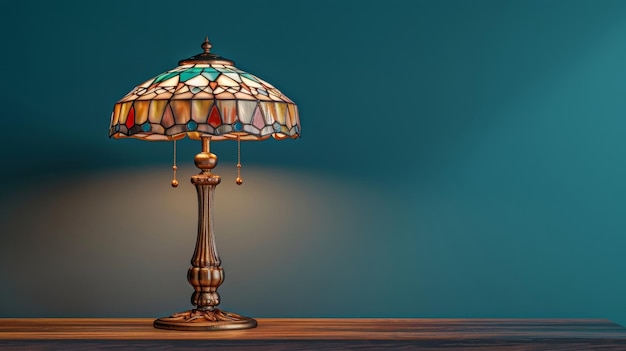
x,y
205,273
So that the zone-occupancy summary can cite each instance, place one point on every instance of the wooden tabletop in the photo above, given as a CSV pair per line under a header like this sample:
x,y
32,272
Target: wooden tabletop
x,y
314,334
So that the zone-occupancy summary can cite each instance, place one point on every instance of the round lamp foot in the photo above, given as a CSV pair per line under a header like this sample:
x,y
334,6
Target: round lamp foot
x,y
205,320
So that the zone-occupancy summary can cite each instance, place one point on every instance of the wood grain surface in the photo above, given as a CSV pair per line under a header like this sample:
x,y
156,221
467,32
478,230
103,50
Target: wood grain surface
x,y
318,334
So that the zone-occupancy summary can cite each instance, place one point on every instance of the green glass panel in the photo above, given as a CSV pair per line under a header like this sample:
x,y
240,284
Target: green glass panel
x,y
185,76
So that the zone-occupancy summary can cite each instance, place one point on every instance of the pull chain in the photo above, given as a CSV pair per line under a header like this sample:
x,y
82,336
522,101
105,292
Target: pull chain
x,y
174,168
239,180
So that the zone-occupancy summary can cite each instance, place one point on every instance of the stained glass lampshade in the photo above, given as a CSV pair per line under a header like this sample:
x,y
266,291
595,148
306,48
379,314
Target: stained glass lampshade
x,y
207,98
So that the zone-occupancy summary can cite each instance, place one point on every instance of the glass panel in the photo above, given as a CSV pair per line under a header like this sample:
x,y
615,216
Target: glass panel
x,y
281,112
250,83
163,95
203,95
155,114
293,114
225,96
246,109
264,82
172,82
116,114
267,130
200,110
185,96
244,96
124,108
187,75
177,129
213,85
214,118
198,81
262,97
257,119
223,129
168,117
251,129
141,111
226,82
210,74
233,76
269,111
182,111
148,96
206,128
181,90
275,98
166,76
249,76
130,120
228,108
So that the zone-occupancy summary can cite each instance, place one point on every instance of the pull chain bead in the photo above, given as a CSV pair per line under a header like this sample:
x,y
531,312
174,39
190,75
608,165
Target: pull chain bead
x,y
174,168
239,180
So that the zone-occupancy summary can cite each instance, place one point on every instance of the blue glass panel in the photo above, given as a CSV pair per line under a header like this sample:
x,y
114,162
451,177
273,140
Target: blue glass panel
x,y
237,126
191,125
210,73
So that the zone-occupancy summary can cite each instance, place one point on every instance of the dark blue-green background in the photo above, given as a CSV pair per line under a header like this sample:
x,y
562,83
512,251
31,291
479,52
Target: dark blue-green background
x,y
458,159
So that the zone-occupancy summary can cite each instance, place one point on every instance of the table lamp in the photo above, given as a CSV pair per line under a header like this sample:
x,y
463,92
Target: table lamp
x,y
208,99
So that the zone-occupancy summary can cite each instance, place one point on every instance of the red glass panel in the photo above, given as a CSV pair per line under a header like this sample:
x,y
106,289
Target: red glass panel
x,y
213,85
130,120
214,118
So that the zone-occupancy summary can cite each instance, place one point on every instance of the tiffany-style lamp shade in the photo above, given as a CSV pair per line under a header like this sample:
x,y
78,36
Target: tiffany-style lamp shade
x,y
207,98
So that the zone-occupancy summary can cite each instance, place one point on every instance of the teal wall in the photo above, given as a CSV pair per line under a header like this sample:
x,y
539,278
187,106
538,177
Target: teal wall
x,y
458,159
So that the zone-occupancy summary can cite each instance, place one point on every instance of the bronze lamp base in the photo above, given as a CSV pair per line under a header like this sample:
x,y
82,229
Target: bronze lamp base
x,y
205,274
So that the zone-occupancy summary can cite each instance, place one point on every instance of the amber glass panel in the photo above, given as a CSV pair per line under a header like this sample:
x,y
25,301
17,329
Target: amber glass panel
x,y
281,112
141,111
124,108
155,113
182,111
200,110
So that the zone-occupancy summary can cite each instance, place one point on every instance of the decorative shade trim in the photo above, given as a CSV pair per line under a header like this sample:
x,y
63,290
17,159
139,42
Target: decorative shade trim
x,y
205,99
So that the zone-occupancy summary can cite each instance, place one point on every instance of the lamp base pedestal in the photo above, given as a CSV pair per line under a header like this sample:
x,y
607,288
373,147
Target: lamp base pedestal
x,y
205,320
